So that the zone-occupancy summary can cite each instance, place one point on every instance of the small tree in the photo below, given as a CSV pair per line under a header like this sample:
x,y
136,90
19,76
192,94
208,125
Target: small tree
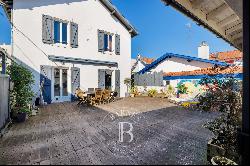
x,y
22,80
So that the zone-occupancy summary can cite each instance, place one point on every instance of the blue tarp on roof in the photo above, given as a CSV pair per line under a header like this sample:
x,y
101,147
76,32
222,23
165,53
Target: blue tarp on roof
x,y
237,75
170,55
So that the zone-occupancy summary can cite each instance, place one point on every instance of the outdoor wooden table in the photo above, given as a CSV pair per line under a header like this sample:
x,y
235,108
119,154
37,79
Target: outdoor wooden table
x,y
89,95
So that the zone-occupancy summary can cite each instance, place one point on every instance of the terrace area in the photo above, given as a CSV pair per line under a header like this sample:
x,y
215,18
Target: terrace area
x,y
67,133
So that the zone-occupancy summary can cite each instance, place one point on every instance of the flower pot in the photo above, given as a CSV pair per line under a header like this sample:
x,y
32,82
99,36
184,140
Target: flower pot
x,y
183,96
216,160
132,95
21,116
214,150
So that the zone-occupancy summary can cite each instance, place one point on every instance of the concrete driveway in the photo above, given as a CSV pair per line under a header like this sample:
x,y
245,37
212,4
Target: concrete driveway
x,y
69,134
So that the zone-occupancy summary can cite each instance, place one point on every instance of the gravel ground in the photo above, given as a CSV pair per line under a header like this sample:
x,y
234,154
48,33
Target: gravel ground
x,y
69,134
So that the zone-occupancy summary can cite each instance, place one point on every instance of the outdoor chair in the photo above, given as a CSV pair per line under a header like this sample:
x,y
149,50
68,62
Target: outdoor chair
x,y
97,89
113,96
81,96
97,98
91,89
106,96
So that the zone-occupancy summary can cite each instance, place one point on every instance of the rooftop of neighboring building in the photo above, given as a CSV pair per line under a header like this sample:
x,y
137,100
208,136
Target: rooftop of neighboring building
x,y
209,71
228,56
147,60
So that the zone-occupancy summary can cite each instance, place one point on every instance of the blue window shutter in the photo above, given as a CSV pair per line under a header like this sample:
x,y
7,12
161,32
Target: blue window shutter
x,y
105,42
45,78
56,32
64,33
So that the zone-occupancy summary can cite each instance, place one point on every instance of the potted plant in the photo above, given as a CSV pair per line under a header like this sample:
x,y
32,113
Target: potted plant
x,y
133,91
127,82
225,97
181,90
169,91
21,114
217,160
21,92
152,92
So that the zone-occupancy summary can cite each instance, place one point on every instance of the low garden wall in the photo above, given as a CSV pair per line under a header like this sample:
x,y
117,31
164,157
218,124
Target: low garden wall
x,y
4,100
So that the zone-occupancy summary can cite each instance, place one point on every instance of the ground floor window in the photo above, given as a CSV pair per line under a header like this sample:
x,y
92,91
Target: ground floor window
x,y
108,80
64,82
56,82
60,82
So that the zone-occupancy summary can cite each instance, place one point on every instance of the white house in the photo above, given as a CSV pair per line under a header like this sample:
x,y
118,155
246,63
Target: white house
x,y
72,43
171,62
139,63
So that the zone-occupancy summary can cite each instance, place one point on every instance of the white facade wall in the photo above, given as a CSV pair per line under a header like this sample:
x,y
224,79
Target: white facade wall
x,y
178,64
90,15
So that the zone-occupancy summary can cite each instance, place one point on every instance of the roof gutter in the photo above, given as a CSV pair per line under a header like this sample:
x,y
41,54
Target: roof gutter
x,y
120,17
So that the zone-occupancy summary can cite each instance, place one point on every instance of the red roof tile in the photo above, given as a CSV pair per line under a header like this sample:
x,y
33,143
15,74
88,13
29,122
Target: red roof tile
x,y
208,71
147,60
229,56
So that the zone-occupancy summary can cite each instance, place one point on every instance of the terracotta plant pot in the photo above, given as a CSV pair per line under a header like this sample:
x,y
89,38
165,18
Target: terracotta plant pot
x,y
183,95
216,160
214,150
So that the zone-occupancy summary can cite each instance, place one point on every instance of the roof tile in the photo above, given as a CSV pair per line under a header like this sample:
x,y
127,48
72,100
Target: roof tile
x,y
208,71
147,60
229,56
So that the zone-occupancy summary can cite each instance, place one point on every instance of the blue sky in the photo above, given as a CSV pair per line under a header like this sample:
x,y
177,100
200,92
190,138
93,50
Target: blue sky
x,y
4,28
162,29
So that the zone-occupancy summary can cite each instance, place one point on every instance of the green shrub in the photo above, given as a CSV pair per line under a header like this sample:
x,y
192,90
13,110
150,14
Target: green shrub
x,y
169,91
152,92
182,89
22,80
134,90
224,96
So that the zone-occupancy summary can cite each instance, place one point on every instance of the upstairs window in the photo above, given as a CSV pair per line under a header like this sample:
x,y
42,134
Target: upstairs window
x,y
105,41
110,43
57,32
60,32
64,33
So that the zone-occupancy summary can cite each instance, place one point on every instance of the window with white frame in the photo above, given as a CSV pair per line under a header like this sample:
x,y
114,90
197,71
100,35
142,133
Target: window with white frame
x,y
108,38
107,42
60,32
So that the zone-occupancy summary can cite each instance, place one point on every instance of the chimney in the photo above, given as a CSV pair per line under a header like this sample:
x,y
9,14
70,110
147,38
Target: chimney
x,y
138,56
203,50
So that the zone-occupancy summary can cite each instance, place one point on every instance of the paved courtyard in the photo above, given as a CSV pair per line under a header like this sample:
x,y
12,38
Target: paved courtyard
x,y
69,134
